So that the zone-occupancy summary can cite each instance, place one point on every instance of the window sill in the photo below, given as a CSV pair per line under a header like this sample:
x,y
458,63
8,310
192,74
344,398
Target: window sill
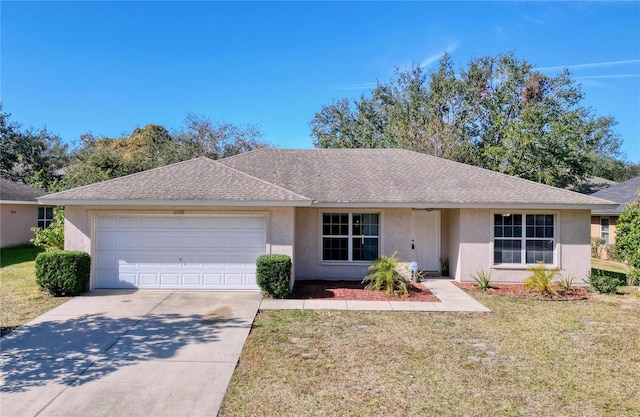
x,y
345,263
520,267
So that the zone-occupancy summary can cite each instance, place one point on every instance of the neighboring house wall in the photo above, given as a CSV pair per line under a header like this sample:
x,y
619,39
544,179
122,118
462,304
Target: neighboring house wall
x,y
16,221
596,231
79,223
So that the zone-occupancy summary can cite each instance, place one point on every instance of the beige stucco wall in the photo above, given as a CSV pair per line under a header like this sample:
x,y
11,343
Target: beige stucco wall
x,y
395,237
16,221
466,238
476,245
280,224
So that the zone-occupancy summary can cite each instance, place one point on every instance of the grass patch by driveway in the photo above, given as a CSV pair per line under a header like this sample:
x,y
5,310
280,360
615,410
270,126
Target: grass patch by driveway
x,y
528,357
21,299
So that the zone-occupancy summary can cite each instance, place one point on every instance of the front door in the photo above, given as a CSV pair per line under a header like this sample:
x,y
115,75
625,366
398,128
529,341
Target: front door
x,y
425,239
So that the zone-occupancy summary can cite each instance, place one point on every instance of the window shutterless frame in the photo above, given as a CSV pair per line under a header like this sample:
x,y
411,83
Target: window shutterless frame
x,y
45,217
524,238
350,236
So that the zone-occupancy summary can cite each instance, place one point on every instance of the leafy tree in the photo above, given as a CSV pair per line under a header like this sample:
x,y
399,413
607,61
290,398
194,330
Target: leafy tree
x,y
99,158
627,245
497,113
201,136
29,155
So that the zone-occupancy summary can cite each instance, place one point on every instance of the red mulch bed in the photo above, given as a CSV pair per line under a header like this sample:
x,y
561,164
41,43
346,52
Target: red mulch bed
x,y
516,290
354,290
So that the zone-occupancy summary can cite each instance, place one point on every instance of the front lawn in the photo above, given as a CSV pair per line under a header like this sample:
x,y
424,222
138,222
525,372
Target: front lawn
x,y
528,357
20,297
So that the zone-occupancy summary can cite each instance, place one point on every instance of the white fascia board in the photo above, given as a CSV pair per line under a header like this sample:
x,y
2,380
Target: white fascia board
x,y
24,203
63,202
462,205
604,213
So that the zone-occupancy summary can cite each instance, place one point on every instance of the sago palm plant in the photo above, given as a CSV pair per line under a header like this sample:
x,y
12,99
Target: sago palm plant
x,y
384,277
540,279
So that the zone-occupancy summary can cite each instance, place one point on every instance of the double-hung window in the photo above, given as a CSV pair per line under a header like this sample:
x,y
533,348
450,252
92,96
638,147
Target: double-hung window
x,y
604,229
45,217
523,238
350,236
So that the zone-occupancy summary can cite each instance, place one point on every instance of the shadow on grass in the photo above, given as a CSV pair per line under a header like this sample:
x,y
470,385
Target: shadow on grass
x,y
18,255
86,348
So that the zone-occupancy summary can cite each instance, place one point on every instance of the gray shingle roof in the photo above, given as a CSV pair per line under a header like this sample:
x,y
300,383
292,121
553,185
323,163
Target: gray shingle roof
x,y
199,179
16,191
386,177
395,176
622,193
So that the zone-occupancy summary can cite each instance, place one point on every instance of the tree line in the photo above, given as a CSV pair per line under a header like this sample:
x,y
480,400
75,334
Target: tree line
x,y
497,113
40,159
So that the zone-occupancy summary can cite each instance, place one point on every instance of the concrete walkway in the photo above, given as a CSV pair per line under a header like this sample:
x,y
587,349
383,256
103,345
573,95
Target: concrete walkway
x,y
127,353
451,298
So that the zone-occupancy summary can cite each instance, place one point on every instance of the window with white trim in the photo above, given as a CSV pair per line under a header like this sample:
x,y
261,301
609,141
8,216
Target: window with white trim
x,y
350,236
604,229
525,243
45,217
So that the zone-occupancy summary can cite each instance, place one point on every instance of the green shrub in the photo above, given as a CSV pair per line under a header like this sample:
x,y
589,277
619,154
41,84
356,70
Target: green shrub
x,y
273,274
483,280
384,277
540,279
597,244
566,281
52,237
605,282
63,273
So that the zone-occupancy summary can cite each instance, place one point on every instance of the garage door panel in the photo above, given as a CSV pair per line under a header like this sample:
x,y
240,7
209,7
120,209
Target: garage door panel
x,y
213,242
192,280
255,223
212,279
169,279
213,223
168,223
128,222
232,279
163,252
150,280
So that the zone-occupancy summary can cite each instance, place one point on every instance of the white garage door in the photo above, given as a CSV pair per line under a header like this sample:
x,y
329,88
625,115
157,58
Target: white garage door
x,y
180,252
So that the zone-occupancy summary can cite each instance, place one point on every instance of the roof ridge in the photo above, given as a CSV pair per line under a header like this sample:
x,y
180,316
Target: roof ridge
x,y
260,179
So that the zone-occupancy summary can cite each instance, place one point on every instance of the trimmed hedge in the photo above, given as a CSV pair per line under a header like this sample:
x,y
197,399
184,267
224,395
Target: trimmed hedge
x,y
605,282
273,274
63,273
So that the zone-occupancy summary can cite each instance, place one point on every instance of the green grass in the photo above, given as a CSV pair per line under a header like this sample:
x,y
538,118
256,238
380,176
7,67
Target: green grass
x,y
528,357
610,266
21,299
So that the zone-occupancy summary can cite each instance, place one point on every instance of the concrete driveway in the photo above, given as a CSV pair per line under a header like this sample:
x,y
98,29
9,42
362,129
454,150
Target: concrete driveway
x,y
115,353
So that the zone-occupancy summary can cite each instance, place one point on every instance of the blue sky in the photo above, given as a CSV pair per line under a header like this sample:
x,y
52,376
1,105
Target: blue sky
x,y
108,67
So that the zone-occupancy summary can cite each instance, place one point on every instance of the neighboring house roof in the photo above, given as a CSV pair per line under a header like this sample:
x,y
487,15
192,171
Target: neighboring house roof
x,y
327,177
197,181
12,192
622,194
592,185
